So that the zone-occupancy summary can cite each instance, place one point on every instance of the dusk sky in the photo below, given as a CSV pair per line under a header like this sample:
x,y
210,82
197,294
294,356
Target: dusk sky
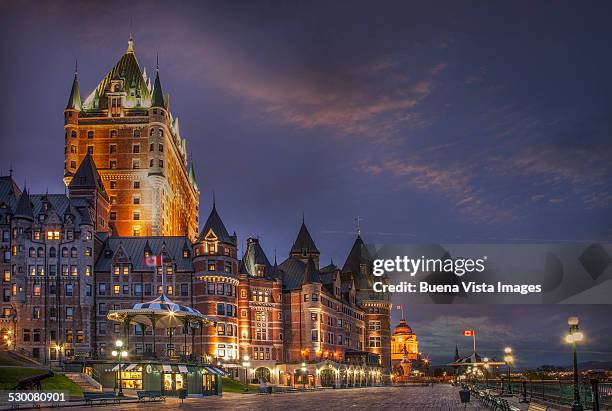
x,y
451,122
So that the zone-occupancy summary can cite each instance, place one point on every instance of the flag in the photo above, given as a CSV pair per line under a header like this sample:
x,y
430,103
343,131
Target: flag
x,y
468,333
153,260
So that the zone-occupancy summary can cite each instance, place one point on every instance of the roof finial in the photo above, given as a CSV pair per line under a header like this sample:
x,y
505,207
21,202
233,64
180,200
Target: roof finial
x,y
157,61
275,257
303,218
76,67
358,220
11,171
130,48
214,199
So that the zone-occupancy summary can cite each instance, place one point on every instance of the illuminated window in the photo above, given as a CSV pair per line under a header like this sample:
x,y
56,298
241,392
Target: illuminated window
x,y
74,270
37,290
136,231
116,289
169,290
87,270
126,270
7,276
88,251
36,235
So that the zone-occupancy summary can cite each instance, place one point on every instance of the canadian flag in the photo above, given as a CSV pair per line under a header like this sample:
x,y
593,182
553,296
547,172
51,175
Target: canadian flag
x,y
153,260
468,333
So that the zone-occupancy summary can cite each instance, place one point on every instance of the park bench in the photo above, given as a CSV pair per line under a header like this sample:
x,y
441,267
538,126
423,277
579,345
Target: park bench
x,y
534,406
101,397
151,395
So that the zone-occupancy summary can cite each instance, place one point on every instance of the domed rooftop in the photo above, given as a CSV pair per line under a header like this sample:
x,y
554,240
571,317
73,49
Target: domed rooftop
x,y
402,328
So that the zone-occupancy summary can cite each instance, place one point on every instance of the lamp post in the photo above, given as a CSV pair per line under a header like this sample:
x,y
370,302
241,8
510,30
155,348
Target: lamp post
x,y
246,364
508,359
120,354
574,336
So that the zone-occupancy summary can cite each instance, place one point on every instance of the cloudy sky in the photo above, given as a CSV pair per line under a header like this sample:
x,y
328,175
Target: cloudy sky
x,y
434,122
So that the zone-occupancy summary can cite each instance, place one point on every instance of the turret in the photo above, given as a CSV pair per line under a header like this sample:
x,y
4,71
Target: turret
x,y
304,247
71,120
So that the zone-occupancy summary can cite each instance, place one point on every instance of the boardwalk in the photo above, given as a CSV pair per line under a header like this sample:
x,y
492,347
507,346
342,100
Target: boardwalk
x,y
438,397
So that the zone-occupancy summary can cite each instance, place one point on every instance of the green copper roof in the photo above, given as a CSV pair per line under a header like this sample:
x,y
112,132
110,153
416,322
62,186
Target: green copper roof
x,y
74,101
134,85
192,177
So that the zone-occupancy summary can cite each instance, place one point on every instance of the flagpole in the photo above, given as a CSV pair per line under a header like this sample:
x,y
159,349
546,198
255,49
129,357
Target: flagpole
x,y
474,337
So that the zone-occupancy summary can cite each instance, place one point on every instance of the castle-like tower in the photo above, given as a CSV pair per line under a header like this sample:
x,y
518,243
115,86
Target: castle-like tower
x,y
127,128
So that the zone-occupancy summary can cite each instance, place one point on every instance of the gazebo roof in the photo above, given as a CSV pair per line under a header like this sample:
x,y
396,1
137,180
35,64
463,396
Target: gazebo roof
x,y
165,312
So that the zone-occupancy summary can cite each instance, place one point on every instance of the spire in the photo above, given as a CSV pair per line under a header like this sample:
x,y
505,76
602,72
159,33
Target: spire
x,y
304,241
130,48
158,94
215,224
87,177
74,101
192,177
358,220
456,352
24,206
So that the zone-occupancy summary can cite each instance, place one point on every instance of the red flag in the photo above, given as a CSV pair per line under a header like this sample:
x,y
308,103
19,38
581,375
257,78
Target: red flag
x,y
468,333
153,260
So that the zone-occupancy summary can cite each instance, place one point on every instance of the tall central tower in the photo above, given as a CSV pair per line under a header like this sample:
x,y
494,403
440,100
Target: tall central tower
x,y
127,128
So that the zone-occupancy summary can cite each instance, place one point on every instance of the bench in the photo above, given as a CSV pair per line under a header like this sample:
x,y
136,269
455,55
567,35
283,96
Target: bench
x,y
151,395
101,397
534,406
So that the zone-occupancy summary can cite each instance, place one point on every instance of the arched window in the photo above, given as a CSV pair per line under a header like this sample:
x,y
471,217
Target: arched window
x,y
73,134
73,252
64,252
161,132
41,252
151,132
113,133
32,252
52,252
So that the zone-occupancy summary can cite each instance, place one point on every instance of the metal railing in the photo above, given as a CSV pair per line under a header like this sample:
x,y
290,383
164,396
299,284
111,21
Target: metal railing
x,y
555,391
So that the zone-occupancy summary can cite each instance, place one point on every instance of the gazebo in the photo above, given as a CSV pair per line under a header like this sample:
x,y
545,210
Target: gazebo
x,y
160,312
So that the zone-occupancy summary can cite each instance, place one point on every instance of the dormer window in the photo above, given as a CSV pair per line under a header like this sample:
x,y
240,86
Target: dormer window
x,y
185,253
113,133
259,270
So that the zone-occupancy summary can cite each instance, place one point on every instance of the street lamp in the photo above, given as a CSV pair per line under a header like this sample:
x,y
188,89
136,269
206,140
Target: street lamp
x,y
574,336
120,354
246,364
508,359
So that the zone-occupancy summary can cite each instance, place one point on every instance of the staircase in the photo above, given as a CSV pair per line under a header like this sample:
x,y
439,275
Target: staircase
x,y
84,381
